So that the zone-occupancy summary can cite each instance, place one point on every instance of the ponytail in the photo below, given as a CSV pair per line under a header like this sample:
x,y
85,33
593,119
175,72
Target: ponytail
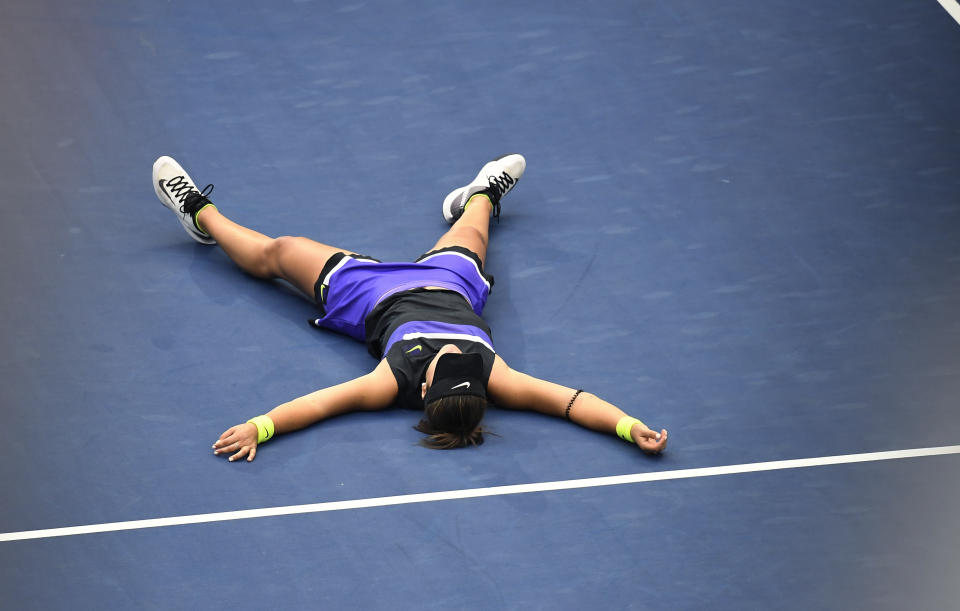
x,y
453,422
451,441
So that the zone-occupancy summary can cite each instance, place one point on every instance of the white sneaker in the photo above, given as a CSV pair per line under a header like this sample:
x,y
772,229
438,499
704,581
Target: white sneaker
x,y
178,192
495,179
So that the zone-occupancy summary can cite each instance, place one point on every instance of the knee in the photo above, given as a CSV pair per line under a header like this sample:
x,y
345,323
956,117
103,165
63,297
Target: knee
x,y
274,253
470,237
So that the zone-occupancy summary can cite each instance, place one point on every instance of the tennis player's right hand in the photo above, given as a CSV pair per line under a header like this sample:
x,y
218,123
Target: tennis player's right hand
x,y
240,439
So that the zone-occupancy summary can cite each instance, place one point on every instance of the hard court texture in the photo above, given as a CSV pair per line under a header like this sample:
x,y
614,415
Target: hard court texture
x,y
739,222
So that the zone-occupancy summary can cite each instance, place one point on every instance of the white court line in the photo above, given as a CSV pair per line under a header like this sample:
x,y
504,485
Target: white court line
x,y
951,7
472,493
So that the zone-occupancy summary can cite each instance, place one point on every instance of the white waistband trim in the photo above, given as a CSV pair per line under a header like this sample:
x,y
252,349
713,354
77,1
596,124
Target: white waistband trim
x,y
458,336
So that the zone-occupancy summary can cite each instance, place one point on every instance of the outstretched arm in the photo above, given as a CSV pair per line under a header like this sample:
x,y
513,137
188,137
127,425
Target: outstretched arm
x,y
373,391
517,390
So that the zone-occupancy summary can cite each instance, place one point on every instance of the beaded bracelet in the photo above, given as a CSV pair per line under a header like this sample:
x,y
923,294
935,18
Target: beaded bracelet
x,y
566,414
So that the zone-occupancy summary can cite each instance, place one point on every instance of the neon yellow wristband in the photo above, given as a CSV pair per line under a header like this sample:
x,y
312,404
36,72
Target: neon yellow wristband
x,y
625,425
264,428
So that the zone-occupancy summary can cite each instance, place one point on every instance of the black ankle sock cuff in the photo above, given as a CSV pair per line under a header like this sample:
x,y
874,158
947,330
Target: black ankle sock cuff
x,y
489,192
194,216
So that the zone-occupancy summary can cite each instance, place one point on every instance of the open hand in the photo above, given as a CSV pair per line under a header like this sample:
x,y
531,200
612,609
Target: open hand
x,y
241,439
649,441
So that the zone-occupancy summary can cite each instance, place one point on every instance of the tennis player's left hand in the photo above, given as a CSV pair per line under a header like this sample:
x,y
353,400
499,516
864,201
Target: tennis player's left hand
x,y
649,441
241,439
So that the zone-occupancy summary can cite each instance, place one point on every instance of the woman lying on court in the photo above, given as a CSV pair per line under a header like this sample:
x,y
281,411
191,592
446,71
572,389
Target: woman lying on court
x,y
420,320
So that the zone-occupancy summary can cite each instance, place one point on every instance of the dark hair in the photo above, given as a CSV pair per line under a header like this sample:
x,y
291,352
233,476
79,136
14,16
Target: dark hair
x,y
453,422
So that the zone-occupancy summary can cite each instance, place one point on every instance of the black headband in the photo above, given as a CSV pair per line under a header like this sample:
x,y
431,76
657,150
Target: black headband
x,y
456,374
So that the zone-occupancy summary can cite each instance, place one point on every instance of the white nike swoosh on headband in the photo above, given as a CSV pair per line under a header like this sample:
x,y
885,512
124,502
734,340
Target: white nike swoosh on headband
x,y
464,384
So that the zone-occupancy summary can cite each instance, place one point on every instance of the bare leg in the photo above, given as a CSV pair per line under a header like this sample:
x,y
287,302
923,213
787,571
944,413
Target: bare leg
x,y
299,261
472,229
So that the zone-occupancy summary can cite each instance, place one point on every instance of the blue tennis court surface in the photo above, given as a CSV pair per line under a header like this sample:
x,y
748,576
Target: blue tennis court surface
x,y
738,222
